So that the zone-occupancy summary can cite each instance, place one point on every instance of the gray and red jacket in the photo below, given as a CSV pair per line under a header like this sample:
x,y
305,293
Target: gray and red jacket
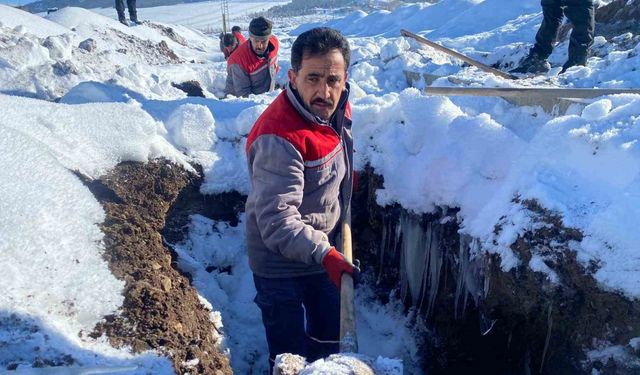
x,y
301,175
247,73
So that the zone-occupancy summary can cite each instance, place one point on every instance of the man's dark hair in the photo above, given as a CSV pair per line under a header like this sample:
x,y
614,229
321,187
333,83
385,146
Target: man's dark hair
x,y
319,41
236,28
229,40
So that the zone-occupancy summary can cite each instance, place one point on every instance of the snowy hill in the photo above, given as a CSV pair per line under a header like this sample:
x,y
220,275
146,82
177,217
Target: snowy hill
x,y
43,5
551,199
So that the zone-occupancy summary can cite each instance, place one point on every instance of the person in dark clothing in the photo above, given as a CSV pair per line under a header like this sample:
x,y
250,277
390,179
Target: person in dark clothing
x,y
133,14
237,31
581,14
228,44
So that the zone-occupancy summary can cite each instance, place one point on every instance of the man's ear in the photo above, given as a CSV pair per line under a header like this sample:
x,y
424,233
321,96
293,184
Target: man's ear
x,y
292,78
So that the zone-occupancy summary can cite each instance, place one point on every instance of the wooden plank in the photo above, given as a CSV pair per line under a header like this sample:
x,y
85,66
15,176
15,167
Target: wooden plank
x,y
348,338
530,92
413,77
457,55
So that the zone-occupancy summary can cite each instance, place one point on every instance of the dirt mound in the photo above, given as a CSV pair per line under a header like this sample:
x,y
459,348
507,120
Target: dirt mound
x,y
146,50
618,11
618,17
168,32
161,310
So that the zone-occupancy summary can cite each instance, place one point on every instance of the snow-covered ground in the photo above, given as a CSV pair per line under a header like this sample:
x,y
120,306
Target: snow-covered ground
x,y
116,103
205,15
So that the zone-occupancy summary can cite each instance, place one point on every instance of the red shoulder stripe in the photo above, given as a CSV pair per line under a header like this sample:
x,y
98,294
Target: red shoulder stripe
x,y
313,141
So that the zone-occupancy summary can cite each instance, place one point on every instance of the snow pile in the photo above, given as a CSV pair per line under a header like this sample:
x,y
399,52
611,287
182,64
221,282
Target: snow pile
x,y
45,60
338,364
25,22
57,286
211,131
204,15
583,165
214,255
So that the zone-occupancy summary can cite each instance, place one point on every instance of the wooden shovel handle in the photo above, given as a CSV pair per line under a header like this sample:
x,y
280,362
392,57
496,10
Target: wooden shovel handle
x,y
457,55
348,338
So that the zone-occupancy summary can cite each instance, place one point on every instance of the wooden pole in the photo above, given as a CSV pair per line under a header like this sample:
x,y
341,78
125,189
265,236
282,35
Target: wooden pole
x,y
457,55
224,5
538,92
224,23
348,338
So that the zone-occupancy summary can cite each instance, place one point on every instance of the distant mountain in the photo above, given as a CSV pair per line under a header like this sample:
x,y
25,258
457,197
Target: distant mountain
x,y
43,5
301,7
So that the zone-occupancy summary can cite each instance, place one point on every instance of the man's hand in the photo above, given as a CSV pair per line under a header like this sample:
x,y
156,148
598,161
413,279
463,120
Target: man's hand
x,y
335,264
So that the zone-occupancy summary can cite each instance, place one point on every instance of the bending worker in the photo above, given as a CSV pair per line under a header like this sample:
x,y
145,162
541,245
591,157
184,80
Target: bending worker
x,y
252,68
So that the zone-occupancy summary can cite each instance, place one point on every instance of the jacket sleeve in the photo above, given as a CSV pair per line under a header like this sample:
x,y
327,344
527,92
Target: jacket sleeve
x,y
273,72
240,79
277,170
228,86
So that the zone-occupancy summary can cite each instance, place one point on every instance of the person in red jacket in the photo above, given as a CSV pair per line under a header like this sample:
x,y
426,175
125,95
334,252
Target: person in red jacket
x,y
300,159
253,66
237,31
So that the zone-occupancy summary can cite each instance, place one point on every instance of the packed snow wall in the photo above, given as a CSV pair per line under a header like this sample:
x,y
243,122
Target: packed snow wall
x,y
545,316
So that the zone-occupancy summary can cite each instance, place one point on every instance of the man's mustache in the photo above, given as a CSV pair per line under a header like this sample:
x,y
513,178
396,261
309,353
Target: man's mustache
x,y
322,102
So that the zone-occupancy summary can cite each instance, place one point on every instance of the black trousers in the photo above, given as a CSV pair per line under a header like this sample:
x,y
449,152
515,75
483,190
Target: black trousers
x,y
131,4
301,315
580,13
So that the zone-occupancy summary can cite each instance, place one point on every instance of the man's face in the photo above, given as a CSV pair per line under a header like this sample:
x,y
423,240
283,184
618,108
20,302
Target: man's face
x,y
233,46
320,82
259,45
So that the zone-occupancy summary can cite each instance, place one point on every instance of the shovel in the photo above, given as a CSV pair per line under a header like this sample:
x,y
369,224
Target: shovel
x,y
348,339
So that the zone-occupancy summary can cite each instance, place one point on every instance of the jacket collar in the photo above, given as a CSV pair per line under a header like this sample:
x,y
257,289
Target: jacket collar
x,y
301,108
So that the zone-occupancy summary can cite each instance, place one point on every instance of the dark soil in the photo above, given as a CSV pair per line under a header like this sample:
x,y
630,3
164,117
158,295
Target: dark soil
x,y
618,17
161,309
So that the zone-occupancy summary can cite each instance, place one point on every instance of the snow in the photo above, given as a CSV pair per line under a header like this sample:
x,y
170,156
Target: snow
x,y
57,286
26,22
200,15
66,109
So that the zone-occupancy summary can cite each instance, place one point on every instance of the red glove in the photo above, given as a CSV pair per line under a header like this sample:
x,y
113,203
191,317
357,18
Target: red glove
x,y
335,264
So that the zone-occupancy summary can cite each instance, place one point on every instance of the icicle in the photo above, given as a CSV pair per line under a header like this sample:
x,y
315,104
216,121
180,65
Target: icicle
x,y
398,235
463,265
486,324
487,278
435,264
546,341
422,259
413,257
424,285
384,248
